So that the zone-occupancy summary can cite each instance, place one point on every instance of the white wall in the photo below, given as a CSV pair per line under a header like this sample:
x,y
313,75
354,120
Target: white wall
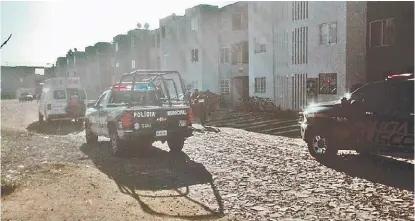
x,y
264,16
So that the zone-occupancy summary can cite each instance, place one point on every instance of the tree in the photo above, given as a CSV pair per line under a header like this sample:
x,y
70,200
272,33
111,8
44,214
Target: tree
x,y
6,41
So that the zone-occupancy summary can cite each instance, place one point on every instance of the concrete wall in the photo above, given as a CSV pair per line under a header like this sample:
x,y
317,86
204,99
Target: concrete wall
x,y
356,44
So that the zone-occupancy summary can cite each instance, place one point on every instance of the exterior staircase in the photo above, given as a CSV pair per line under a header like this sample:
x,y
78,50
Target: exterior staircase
x,y
255,122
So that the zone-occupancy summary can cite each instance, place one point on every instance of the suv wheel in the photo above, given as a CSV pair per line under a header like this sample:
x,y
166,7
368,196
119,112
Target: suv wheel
x,y
175,144
116,144
319,147
90,137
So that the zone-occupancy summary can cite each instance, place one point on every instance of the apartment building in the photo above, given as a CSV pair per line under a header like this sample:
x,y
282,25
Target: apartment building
x,y
61,64
390,38
14,77
189,44
233,57
293,44
121,60
154,51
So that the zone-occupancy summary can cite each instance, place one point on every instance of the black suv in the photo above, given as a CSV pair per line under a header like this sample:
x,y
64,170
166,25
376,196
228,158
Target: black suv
x,y
376,117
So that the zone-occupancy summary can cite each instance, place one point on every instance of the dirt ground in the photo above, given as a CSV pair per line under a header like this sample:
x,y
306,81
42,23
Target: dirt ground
x,y
226,174
77,191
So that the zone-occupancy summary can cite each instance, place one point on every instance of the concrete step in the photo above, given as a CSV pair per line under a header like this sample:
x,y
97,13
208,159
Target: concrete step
x,y
294,133
280,129
235,120
267,125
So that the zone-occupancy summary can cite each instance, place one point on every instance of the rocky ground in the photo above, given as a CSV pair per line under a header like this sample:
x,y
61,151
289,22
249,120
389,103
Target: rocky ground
x,y
231,174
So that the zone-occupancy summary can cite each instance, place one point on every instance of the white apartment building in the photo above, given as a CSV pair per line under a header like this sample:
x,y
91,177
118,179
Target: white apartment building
x,y
189,44
233,55
291,43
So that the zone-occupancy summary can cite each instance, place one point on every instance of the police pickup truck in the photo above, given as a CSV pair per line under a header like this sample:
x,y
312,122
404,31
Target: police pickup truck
x,y
378,117
143,107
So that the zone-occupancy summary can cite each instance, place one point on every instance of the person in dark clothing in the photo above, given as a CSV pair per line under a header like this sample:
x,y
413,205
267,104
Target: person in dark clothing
x,y
199,105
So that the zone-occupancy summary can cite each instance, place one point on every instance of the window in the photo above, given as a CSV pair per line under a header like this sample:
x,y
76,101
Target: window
x,y
240,53
260,85
195,55
158,40
328,33
133,41
101,99
299,53
163,32
224,55
299,10
116,46
59,94
21,80
369,96
225,87
260,46
132,64
117,64
327,83
236,22
382,32
76,92
194,24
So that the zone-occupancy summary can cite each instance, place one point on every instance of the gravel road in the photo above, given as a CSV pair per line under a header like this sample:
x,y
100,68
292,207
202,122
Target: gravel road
x,y
244,175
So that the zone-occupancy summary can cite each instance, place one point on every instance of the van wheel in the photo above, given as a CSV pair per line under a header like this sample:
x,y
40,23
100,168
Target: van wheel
x,y
175,144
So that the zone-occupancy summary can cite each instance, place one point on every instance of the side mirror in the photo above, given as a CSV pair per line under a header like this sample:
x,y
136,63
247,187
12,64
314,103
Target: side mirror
x,y
344,101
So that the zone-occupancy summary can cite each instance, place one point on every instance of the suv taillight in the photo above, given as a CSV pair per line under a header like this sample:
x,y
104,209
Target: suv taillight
x,y
49,107
189,116
127,120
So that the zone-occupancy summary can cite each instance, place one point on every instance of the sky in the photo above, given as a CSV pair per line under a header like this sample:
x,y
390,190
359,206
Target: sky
x,y
44,30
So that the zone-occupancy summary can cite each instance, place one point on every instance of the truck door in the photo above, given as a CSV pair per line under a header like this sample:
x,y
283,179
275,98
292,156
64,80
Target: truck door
x,y
94,117
103,114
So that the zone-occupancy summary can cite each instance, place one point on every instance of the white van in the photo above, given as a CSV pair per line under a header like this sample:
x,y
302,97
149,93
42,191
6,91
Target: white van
x,y
55,97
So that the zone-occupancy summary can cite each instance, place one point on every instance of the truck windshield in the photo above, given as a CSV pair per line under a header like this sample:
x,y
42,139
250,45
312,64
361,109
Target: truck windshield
x,y
137,97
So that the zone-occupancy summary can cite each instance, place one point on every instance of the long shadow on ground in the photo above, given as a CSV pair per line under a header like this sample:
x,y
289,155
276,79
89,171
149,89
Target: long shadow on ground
x,y
55,128
154,170
377,169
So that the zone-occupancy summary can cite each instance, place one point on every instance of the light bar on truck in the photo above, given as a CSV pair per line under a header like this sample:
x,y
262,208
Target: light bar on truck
x,y
400,76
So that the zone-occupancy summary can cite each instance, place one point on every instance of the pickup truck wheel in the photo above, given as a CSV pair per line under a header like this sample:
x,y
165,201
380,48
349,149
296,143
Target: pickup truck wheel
x,y
175,144
320,147
91,138
116,144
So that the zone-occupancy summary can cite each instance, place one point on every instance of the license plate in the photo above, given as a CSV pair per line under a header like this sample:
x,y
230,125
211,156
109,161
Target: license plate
x,y
201,100
182,123
161,133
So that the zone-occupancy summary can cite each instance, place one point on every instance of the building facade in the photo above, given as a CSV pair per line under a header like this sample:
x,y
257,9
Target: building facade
x,y
292,43
390,38
233,57
189,44
15,77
